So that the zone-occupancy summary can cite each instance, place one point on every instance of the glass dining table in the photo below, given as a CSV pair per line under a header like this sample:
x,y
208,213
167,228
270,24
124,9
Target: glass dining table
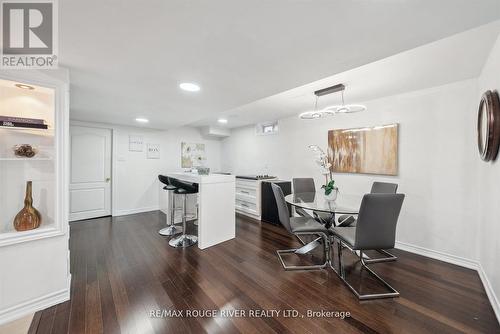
x,y
316,202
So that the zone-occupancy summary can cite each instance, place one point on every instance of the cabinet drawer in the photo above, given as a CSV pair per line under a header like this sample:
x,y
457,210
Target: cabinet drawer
x,y
249,184
246,198
246,191
246,206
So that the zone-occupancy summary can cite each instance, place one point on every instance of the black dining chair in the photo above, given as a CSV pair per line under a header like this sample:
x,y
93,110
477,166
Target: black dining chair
x,y
350,220
300,226
375,229
306,185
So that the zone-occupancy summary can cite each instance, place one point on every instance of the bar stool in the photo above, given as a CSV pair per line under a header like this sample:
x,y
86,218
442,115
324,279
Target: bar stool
x,y
184,189
171,229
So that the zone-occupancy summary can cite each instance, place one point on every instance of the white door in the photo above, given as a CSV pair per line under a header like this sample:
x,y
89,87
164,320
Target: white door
x,y
90,173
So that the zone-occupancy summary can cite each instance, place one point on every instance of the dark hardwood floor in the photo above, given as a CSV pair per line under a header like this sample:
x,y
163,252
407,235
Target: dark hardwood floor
x,y
122,269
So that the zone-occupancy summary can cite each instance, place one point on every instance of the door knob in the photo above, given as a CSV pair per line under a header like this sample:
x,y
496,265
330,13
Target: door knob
x,y
108,179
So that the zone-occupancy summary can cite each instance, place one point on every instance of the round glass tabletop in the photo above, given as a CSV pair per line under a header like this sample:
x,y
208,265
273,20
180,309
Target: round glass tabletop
x,y
317,202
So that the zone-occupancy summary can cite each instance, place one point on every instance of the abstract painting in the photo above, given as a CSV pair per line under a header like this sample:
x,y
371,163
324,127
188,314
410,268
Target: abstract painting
x,y
370,150
192,155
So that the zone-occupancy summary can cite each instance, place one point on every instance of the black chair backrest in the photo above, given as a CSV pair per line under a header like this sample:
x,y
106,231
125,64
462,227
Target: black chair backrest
x,y
283,213
384,188
303,185
188,186
163,179
377,219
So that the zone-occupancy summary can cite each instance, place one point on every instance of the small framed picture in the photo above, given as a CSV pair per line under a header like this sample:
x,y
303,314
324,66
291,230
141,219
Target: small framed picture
x,y
135,143
153,151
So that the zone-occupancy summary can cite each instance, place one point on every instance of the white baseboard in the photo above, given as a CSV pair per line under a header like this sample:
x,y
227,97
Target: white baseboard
x,y
35,305
459,261
132,211
489,291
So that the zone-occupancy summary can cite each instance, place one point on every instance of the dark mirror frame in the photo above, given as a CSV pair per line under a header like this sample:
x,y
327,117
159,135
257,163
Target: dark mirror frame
x,y
489,108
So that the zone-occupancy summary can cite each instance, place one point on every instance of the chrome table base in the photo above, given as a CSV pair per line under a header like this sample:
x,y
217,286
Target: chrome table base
x,y
364,260
309,246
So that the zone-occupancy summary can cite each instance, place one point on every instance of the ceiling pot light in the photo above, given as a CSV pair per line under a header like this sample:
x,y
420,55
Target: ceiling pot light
x,y
222,121
142,120
22,86
189,87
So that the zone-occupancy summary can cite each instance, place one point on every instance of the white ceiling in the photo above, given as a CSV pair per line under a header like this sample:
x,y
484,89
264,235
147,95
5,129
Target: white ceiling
x,y
451,59
127,57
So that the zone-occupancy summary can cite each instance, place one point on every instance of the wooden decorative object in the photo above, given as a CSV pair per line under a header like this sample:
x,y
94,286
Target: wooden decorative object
x,y
488,125
28,218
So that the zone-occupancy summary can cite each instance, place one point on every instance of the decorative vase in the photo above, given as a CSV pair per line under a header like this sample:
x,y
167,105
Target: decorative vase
x,y
332,196
28,218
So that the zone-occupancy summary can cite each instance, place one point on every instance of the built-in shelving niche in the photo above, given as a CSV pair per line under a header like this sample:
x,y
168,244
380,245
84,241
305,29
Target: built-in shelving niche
x,y
37,103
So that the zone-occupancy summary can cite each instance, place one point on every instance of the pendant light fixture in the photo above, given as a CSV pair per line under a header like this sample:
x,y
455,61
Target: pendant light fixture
x,y
331,110
314,114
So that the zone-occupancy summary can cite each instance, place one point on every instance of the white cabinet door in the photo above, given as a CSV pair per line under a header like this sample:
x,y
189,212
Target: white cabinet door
x,y
90,173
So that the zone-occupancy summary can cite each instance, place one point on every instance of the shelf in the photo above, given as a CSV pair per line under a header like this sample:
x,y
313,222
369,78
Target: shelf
x,y
26,159
14,237
48,103
26,128
31,131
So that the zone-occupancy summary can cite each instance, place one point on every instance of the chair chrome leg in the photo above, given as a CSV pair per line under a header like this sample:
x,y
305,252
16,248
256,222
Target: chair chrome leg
x,y
326,247
300,239
388,258
393,292
341,273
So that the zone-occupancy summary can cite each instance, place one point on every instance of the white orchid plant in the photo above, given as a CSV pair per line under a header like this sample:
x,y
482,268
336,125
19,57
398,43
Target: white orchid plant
x,y
325,168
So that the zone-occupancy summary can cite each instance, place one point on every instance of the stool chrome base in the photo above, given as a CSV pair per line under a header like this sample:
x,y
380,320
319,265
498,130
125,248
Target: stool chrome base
x,y
183,241
171,230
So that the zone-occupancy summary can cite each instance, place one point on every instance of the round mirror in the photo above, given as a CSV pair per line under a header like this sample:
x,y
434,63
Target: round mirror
x,y
488,126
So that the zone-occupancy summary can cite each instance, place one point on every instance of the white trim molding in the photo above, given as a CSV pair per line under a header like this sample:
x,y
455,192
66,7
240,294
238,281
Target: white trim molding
x,y
132,211
35,305
459,261
437,255
489,291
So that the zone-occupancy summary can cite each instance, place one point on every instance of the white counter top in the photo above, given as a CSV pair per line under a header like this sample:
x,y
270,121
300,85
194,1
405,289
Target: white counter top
x,y
196,178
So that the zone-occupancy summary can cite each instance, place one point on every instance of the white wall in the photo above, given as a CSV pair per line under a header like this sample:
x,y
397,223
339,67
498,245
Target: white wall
x,y
489,190
135,178
437,161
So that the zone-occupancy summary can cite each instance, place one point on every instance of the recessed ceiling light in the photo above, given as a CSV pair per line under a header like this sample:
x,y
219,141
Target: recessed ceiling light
x,y
24,86
189,86
142,120
222,121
